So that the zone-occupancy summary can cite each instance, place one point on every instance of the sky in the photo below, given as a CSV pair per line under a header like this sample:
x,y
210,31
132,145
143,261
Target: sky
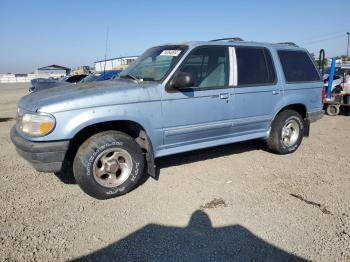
x,y
71,33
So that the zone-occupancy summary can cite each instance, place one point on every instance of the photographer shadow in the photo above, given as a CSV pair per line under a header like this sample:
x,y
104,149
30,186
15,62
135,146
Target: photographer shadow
x,y
199,241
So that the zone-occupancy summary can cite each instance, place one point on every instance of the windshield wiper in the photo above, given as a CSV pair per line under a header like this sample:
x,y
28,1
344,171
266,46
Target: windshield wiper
x,y
132,77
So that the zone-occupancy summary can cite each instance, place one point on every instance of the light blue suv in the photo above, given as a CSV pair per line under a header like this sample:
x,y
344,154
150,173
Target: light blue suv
x,y
174,98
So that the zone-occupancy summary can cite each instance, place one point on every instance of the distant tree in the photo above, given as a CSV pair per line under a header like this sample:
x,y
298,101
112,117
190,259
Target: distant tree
x,y
325,62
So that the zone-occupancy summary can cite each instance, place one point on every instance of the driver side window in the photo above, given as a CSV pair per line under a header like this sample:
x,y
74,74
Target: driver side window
x,y
209,67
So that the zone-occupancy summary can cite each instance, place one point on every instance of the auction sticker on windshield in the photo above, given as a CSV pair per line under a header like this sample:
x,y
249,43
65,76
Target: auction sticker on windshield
x,y
170,52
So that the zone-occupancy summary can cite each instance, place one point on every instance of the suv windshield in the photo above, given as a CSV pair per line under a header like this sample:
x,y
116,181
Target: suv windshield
x,y
155,63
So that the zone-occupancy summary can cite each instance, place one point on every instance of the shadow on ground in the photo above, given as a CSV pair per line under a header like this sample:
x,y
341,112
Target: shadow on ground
x,y
66,175
199,241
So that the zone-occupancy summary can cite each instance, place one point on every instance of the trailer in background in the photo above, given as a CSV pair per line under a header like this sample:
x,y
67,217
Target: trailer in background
x,y
334,99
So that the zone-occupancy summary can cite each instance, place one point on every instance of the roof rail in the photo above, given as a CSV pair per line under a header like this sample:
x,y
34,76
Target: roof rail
x,y
230,39
288,43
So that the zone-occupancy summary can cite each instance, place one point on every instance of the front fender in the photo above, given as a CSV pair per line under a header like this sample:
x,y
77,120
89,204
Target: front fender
x,y
69,123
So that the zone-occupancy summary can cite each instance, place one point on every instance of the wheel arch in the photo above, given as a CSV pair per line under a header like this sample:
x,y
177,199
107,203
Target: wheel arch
x,y
132,128
298,107
301,109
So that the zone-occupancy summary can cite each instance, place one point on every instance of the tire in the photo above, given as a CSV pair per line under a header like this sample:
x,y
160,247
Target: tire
x,y
281,141
333,110
108,164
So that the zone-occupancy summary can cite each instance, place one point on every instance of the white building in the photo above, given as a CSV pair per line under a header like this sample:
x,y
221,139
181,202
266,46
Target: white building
x,y
16,78
114,63
52,71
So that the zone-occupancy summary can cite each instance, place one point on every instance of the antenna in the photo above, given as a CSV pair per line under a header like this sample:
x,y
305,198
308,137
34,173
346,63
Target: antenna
x,y
104,67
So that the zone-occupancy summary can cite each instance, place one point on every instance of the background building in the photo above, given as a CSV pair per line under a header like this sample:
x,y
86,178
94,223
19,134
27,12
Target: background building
x,y
51,71
16,78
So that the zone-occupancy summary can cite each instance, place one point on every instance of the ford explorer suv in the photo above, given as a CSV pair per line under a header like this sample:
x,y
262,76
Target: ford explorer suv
x,y
172,99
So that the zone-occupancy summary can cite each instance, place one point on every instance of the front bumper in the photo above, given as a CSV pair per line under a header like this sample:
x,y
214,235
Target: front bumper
x,y
314,116
43,156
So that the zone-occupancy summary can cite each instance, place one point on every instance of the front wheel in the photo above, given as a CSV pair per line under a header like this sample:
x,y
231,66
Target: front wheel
x,y
286,132
108,164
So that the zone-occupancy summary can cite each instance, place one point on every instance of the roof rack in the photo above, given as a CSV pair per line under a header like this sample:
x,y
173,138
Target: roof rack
x,y
288,43
229,39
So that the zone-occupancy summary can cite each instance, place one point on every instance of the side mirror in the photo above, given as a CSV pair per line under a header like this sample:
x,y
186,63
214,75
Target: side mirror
x,y
182,80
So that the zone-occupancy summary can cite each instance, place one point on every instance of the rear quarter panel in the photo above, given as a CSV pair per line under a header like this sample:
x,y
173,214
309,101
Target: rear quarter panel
x,y
308,94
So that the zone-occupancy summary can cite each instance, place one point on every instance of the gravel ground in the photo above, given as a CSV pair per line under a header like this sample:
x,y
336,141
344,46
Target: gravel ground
x,y
234,202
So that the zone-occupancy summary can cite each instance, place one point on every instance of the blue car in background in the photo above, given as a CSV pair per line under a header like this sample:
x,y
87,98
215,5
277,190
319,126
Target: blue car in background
x,y
101,76
42,83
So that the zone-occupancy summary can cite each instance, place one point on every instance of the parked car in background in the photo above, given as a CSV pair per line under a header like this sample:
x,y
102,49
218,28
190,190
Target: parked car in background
x,y
90,78
101,76
172,99
341,79
110,74
45,83
346,82
42,84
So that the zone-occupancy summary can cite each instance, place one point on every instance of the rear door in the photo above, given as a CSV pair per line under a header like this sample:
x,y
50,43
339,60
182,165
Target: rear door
x,y
257,91
203,112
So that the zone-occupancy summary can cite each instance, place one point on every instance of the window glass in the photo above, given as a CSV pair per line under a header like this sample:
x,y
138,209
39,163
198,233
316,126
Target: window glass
x,y
75,78
209,67
254,66
90,78
155,63
297,66
107,75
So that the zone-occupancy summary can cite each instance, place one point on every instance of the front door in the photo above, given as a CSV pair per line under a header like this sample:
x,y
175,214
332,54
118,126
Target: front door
x,y
203,112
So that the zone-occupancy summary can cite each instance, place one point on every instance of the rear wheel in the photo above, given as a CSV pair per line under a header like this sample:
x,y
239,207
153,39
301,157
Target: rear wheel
x,y
286,132
333,110
108,164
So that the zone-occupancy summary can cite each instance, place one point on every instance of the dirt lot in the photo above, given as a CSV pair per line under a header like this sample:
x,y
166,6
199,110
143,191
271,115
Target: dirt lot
x,y
235,202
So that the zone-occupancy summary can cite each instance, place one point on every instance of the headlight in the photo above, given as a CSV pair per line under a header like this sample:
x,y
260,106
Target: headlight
x,y
35,124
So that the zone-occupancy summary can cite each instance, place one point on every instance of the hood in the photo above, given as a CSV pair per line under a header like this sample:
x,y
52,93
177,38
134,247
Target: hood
x,y
92,94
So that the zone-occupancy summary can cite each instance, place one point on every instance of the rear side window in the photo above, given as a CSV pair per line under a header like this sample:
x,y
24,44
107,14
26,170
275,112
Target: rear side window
x,y
297,66
254,66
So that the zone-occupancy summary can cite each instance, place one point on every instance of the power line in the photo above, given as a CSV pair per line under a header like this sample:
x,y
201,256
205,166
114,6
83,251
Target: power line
x,y
321,36
324,37
329,33
321,40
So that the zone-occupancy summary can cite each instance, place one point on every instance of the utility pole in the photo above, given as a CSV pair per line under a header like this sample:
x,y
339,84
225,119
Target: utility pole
x,y
347,52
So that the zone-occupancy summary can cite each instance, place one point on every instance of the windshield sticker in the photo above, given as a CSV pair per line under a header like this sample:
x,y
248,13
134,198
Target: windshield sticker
x,y
170,52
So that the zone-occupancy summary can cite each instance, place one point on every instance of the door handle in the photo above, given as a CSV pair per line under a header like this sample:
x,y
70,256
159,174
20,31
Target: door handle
x,y
275,92
224,96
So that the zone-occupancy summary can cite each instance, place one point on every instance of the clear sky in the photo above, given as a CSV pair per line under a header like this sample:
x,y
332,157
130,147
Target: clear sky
x,y
70,33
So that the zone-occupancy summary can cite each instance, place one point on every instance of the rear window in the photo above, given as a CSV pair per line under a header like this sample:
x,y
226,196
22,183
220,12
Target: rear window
x,y
297,66
254,66
75,78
